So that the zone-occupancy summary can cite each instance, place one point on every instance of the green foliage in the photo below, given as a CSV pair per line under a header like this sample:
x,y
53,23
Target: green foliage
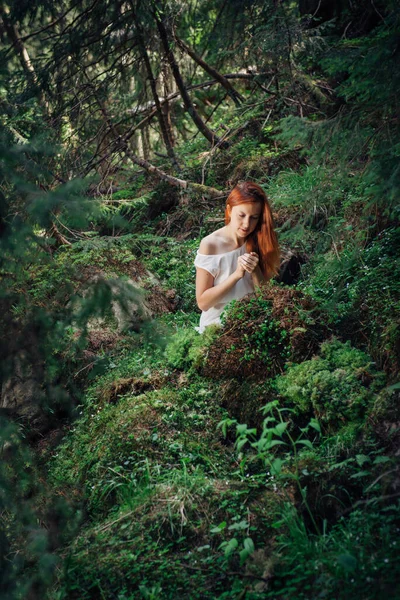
x,y
124,442
356,559
359,289
338,385
37,326
172,261
170,511
277,434
124,211
268,339
25,500
188,348
155,541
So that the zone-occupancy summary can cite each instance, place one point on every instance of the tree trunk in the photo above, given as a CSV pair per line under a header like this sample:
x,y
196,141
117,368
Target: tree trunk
x,y
234,94
145,141
145,164
24,59
153,86
201,126
166,106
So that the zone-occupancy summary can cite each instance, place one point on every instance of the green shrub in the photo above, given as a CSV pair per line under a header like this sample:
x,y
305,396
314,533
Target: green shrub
x,y
177,522
188,348
338,385
177,351
357,558
360,292
172,262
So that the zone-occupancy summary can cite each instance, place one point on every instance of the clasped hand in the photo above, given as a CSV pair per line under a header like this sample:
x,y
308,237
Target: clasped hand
x,y
247,262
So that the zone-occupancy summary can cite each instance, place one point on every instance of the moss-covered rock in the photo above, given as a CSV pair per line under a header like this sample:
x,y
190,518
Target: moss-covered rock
x,y
338,385
262,332
187,348
175,536
158,430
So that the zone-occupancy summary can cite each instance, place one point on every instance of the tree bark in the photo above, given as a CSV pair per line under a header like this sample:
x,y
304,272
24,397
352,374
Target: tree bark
x,y
175,181
164,131
24,59
202,127
145,141
55,233
168,86
234,94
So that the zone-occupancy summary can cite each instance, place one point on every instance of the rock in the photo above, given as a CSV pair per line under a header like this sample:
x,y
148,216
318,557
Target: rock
x,y
22,398
130,302
290,269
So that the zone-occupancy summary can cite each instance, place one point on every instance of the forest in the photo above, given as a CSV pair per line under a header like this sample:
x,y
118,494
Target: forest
x,y
139,458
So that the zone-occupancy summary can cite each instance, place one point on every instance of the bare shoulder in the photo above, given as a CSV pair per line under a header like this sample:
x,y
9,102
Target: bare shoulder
x,y
215,243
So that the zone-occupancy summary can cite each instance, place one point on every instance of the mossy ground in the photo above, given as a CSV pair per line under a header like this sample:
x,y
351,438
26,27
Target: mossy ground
x,y
254,461
174,505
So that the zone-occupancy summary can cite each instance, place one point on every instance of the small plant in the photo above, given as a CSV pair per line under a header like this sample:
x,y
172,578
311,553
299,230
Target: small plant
x,y
276,433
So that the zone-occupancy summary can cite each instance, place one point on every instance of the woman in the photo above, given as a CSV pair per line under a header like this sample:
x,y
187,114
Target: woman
x,y
234,259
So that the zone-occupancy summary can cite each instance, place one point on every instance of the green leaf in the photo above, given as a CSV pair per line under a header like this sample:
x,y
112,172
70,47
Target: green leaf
x,y
241,428
273,443
347,561
264,444
280,428
239,526
362,459
395,386
305,443
381,459
276,466
219,527
269,406
231,546
225,424
360,474
240,443
249,545
314,423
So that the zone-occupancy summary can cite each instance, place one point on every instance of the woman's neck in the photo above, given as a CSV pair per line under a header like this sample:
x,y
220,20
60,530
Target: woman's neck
x,y
232,235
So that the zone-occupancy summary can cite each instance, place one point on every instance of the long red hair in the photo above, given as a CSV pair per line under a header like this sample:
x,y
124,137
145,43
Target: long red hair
x,y
263,239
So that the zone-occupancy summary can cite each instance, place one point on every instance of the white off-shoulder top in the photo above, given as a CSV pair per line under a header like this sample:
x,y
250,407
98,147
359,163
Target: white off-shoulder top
x,y
221,266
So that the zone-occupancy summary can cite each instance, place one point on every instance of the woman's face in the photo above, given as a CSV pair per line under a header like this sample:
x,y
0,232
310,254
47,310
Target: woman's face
x,y
244,217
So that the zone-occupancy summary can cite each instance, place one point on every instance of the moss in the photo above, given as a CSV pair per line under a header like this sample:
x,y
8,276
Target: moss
x,y
338,385
170,526
157,430
188,348
262,332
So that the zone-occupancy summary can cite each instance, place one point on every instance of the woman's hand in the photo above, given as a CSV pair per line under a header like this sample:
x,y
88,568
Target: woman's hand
x,y
247,263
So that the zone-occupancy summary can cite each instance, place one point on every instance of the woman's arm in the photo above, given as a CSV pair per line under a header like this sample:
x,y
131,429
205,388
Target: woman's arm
x,y
208,294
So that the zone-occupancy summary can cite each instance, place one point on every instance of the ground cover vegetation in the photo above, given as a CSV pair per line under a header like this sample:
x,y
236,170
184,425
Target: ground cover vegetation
x,y
140,459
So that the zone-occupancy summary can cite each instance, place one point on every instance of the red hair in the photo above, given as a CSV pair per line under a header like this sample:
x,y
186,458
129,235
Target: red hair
x,y
263,239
